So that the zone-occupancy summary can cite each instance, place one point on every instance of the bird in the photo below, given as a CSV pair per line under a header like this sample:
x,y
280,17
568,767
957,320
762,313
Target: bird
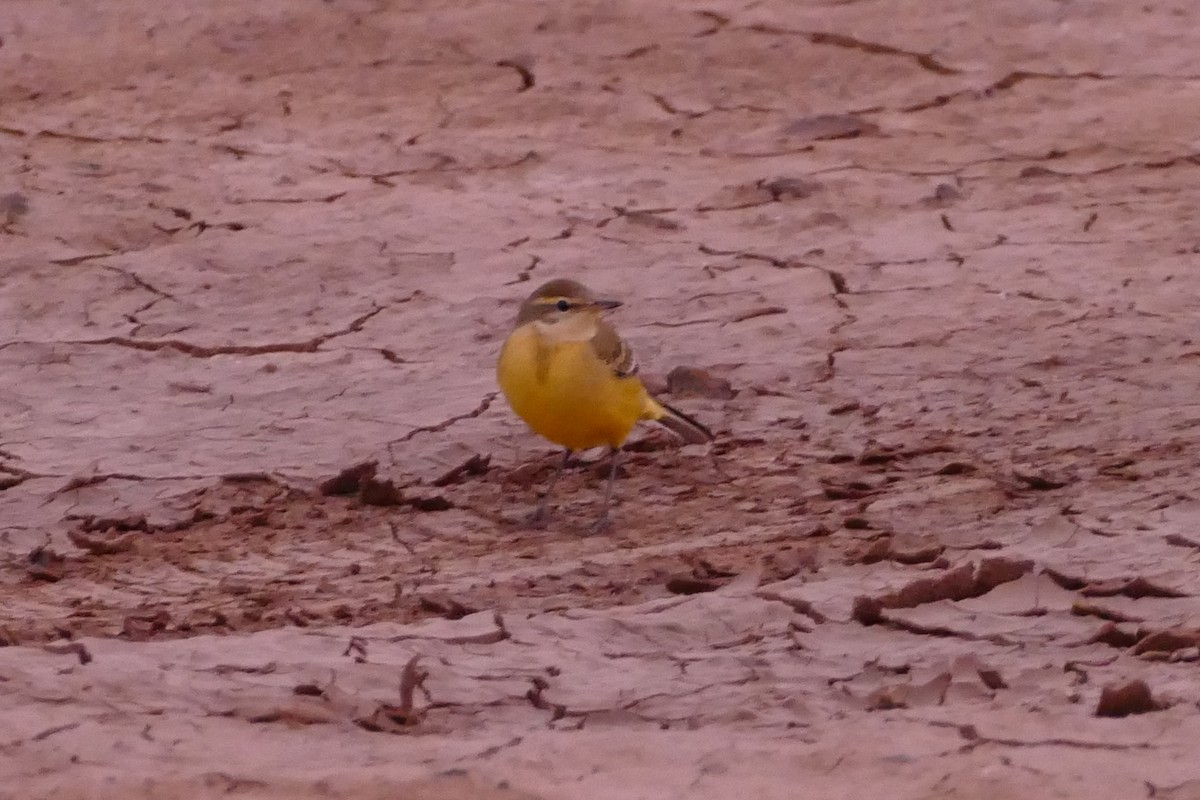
x,y
568,374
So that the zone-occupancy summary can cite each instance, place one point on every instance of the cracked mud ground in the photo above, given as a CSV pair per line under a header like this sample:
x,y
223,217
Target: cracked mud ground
x,y
945,262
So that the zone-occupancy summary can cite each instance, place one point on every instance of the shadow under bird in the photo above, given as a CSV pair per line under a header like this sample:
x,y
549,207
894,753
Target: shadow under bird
x,y
568,374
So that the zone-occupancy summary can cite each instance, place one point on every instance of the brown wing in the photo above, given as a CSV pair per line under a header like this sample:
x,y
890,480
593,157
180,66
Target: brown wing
x,y
613,351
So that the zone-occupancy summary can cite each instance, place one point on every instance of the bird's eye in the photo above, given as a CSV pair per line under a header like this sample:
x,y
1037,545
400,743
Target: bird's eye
x,y
563,305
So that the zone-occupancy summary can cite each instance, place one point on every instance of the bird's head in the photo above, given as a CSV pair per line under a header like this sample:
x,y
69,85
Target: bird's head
x,y
563,301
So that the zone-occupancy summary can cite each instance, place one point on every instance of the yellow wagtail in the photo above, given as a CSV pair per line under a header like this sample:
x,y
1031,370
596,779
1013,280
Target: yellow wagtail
x,y
567,373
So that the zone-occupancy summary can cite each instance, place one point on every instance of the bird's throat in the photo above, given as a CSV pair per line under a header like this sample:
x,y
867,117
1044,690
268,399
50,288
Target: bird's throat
x,y
571,328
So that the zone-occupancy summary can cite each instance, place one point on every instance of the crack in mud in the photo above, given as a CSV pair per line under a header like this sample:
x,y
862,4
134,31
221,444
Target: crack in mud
x,y
483,406
719,22
636,52
71,261
837,281
83,138
329,198
666,105
974,739
1019,76
925,61
646,217
141,283
312,345
1012,79
524,275
444,163
528,80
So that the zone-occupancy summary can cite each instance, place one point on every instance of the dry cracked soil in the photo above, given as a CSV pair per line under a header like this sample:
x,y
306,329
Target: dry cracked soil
x,y
928,270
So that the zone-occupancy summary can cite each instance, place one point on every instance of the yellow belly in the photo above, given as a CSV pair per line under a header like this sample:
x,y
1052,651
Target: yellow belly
x,y
566,394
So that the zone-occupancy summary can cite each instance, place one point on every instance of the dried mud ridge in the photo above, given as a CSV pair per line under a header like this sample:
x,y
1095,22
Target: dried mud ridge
x,y
253,553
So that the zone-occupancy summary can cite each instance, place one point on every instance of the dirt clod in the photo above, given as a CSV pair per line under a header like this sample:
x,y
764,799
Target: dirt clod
x,y
694,381
376,492
1166,641
350,479
1124,699
685,584
98,546
867,610
830,126
44,564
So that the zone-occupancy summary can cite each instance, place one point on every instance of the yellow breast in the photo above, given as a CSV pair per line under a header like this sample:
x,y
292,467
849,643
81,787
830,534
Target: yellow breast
x,y
565,393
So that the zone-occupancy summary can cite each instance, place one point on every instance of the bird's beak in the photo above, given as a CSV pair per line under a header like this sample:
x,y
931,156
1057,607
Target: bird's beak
x,y
607,304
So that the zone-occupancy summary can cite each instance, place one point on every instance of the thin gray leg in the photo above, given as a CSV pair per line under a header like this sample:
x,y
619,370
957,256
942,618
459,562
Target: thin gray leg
x,y
542,512
603,523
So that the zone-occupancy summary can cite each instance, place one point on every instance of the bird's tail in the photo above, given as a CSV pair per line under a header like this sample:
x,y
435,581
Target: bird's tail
x,y
678,422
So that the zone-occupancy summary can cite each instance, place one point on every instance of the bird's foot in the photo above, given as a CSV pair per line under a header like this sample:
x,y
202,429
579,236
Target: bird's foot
x,y
602,524
539,517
